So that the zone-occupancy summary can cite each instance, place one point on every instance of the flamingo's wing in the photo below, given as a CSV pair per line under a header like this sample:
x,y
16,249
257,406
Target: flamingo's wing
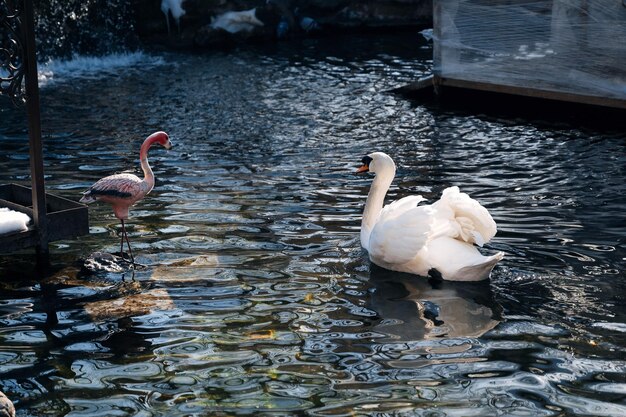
x,y
401,231
463,218
123,186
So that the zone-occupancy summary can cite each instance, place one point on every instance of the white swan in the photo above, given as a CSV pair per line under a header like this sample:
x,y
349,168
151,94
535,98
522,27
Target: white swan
x,y
235,22
405,237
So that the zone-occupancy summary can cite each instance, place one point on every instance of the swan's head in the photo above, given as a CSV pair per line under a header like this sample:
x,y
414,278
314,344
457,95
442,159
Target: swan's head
x,y
377,162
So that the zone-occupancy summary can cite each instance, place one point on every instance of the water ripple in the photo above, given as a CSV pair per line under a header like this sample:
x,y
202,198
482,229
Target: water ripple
x,y
255,297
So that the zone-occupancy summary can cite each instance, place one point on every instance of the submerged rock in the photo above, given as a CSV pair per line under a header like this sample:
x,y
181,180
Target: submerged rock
x,y
6,406
308,24
209,37
133,301
104,262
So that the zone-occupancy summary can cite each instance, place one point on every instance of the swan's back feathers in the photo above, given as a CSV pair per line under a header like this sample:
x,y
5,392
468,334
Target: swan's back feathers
x,y
464,218
389,241
398,207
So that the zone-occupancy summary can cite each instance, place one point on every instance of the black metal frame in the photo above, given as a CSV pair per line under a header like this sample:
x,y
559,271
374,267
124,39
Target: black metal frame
x,y
11,53
20,61
18,80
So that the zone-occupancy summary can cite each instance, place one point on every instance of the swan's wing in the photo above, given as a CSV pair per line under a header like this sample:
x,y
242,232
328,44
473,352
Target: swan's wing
x,y
398,207
401,231
461,217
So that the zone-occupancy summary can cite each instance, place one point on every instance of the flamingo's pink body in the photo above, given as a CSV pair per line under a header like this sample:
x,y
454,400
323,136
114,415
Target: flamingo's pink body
x,y
121,191
124,190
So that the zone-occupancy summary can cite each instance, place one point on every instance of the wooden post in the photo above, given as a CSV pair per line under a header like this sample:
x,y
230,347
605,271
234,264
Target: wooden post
x,y
34,131
437,32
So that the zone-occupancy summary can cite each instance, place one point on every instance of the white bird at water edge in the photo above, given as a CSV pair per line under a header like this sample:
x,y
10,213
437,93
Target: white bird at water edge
x,y
13,221
175,7
235,22
405,237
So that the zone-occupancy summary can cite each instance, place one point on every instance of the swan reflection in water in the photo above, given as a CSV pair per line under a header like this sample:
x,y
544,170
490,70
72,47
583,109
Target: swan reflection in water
x,y
415,308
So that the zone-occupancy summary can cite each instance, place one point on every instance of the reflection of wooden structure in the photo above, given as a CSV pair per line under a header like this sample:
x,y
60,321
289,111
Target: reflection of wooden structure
x,y
567,50
53,217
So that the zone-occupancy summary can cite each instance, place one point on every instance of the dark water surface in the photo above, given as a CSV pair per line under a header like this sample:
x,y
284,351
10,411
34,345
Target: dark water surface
x,y
257,297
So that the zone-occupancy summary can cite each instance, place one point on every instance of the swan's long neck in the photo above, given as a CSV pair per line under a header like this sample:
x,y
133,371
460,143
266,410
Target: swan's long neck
x,y
148,175
374,204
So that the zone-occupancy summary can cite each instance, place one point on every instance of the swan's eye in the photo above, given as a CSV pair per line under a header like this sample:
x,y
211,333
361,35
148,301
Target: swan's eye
x,y
366,160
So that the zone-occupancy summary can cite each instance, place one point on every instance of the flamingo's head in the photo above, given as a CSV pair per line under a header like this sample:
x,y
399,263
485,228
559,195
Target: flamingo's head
x,y
161,138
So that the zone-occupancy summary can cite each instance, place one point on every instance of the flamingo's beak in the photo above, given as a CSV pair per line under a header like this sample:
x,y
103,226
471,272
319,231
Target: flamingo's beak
x,y
363,168
168,145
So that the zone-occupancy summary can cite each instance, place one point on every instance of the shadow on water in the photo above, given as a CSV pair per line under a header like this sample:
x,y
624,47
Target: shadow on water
x,y
415,308
499,106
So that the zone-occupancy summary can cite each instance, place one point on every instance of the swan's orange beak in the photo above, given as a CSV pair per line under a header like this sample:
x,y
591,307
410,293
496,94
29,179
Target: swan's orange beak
x,y
363,168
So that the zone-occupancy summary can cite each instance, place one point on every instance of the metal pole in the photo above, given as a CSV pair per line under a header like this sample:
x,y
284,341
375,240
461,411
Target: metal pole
x,y
34,131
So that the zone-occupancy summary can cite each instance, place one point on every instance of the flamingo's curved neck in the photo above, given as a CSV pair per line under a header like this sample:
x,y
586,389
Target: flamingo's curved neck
x,y
374,204
143,158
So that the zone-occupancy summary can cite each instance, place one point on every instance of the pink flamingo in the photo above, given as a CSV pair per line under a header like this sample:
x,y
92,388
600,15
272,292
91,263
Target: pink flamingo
x,y
124,190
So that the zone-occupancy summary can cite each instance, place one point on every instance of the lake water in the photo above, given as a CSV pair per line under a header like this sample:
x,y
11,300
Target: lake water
x,y
257,298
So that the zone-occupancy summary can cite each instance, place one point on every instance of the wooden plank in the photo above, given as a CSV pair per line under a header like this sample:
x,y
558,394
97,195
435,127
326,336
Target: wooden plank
x,y
422,85
16,241
67,219
16,207
532,92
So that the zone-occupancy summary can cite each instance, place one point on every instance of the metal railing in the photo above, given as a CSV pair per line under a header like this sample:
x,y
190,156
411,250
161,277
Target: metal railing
x,y
11,53
18,81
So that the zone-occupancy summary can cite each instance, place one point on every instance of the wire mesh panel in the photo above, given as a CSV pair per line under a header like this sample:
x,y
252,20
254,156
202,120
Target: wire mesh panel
x,y
568,46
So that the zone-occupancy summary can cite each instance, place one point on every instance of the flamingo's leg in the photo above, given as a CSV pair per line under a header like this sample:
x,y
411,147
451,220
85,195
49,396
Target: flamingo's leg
x,y
130,251
122,242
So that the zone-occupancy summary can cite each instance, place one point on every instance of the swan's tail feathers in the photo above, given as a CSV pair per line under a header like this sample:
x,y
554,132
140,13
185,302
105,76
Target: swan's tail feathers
x,y
479,271
472,222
